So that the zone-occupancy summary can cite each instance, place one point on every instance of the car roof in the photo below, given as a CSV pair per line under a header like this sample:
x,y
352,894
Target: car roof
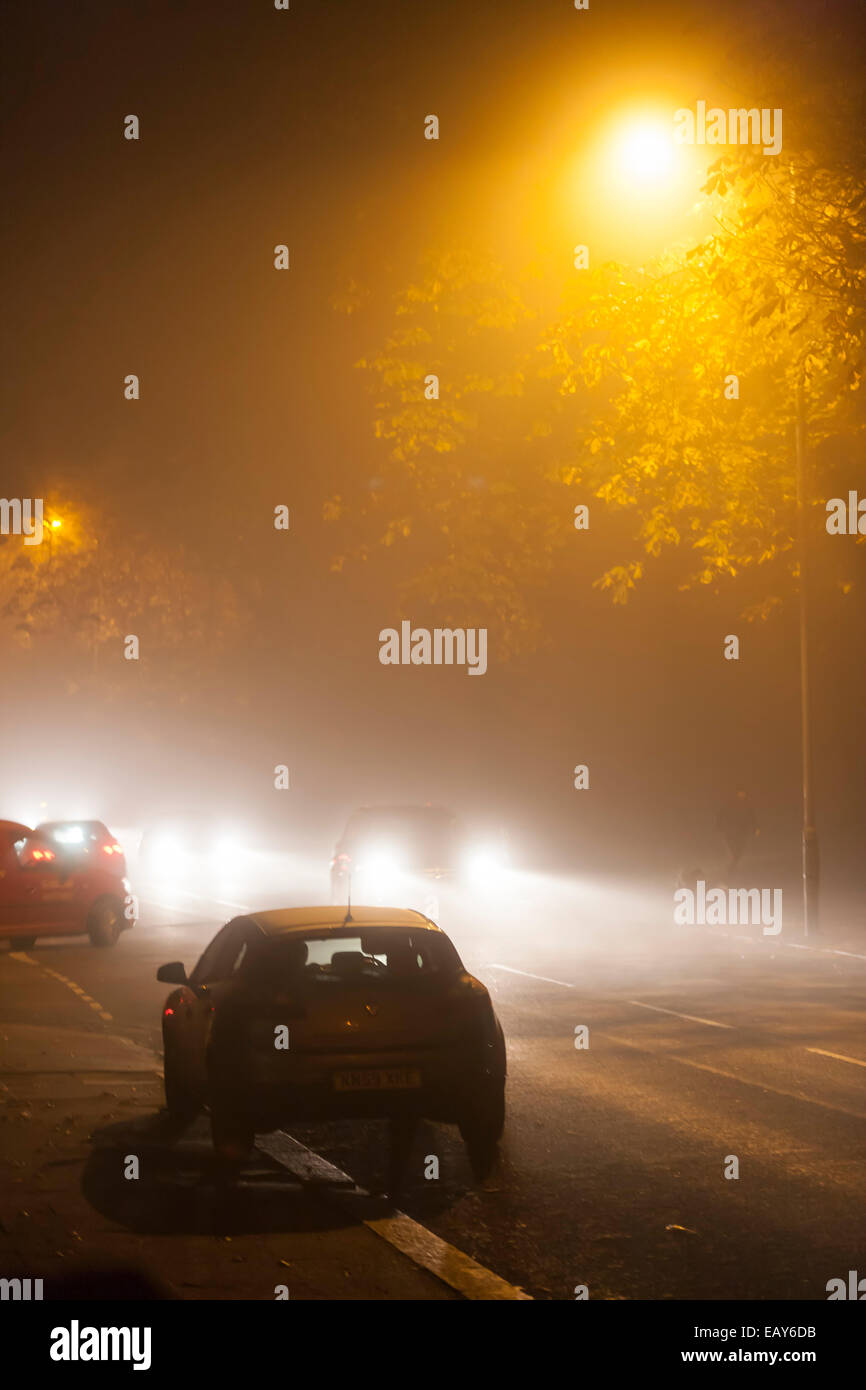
x,y
14,825
73,820
280,921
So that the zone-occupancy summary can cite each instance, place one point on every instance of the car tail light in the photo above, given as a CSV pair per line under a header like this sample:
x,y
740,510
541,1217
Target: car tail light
x,y
112,849
42,856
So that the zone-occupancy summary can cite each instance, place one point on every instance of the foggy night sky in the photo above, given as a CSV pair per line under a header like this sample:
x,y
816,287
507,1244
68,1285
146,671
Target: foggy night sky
x,y
156,257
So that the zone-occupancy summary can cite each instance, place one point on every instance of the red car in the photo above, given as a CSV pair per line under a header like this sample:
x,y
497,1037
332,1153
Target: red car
x,y
64,878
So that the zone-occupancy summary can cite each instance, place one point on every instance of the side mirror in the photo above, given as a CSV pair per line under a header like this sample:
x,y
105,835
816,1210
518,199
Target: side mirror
x,y
172,974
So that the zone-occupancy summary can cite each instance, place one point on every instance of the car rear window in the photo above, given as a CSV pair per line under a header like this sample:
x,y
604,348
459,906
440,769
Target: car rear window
x,y
70,837
380,954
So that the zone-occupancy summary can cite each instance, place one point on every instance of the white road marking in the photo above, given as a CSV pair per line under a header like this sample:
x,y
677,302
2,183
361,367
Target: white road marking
x,y
422,1247
305,1163
776,1090
527,975
199,897
838,1056
692,1018
220,902
791,945
448,1263
732,1076
167,907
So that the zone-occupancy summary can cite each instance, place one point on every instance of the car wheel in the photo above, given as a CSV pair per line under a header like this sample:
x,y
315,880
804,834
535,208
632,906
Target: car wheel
x,y
482,1126
23,943
181,1099
105,922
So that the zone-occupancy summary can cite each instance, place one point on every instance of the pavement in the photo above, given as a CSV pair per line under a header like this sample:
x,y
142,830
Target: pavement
x,y
91,1186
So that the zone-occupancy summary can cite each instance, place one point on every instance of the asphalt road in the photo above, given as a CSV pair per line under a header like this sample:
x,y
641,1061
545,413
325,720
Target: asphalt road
x,y
705,1052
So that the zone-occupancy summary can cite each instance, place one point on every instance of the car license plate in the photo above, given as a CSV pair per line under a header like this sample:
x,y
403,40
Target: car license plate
x,y
380,1079
54,891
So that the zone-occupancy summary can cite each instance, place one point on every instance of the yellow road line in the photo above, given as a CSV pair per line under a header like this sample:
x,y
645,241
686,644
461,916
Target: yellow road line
x,y
70,984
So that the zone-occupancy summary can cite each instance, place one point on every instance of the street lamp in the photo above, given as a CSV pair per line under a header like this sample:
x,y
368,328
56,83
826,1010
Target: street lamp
x,y
643,153
633,186
644,163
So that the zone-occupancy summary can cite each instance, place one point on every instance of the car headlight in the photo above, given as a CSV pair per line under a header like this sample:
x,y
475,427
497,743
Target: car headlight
x,y
485,862
228,842
381,862
168,849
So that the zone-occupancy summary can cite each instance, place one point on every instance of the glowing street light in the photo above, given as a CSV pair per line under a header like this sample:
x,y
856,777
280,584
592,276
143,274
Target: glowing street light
x,y
644,153
634,190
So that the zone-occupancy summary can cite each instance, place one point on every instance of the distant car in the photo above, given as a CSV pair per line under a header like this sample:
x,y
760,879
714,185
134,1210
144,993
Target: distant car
x,y
304,1014
173,841
381,845
63,878
385,851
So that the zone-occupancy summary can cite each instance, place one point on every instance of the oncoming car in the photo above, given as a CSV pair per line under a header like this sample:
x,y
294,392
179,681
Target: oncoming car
x,y
391,854
65,878
306,1014
178,841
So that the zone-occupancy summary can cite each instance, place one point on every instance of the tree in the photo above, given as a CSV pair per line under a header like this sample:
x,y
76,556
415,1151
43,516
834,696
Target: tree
x,y
457,500
776,298
627,397
95,579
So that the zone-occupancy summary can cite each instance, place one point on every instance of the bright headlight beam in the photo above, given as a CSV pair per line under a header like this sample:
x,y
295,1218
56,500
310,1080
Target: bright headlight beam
x,y
485,862
380,861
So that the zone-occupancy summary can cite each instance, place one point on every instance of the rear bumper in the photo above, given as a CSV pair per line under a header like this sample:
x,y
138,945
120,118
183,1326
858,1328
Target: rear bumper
x,y
303,1087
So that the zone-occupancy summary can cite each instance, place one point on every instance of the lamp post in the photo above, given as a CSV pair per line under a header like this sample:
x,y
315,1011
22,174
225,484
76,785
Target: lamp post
x,y
643,156
810,855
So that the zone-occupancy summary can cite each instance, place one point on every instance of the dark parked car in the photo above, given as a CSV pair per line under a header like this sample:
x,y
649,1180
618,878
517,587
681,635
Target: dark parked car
x,y
64,878
306,1014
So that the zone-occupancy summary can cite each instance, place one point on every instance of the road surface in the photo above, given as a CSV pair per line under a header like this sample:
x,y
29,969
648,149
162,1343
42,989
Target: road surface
x,y
707,1055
